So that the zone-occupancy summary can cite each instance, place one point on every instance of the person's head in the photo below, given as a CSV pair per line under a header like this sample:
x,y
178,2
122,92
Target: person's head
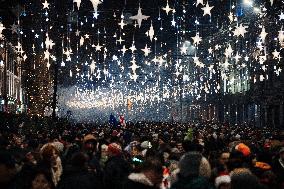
x,y
193,164
90,142
114,149
7,167
42,180
136,150
224,158
49,153
180,147
79,159
153,170
243,178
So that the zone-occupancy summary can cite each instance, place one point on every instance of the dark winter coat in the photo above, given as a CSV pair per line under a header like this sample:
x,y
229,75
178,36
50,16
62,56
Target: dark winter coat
x,y
76,177
116,170
278,169
192,183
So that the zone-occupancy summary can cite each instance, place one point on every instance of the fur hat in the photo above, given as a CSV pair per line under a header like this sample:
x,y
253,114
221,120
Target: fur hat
x,y
194,164
58,145
146,145
244,149
89,137
222,179
114,149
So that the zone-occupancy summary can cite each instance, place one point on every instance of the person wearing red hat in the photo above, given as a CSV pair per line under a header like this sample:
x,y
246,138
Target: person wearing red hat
x,y
116,167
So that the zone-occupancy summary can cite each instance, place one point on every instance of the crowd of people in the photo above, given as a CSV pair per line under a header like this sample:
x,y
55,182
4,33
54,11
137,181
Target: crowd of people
x,y
204,155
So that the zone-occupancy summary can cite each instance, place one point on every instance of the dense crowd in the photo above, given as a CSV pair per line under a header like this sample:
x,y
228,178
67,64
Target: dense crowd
x,y
41,154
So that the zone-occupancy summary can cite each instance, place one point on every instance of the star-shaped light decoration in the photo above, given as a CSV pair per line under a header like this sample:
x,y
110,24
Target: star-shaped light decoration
x,y
263,34
123,50
281,16
183,49
167,8
18,47
240,30
105,71
95,15
151,32
231,17
134,65
120,40
122,24
228,51
237,57
86,36
275,54
210,50
177,73
99,76
199,2
14,28
77,33
207,9
48,42
134,77
262,59
95,4
146,50
78,3
278,71
197,39
45,5
98,47
139,17
133,48
46,54
197,62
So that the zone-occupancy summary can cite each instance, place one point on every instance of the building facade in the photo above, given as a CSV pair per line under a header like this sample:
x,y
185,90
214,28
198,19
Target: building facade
x,y
12,95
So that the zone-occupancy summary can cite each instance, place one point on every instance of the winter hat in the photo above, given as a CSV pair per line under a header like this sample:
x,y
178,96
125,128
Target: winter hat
x,y
89,137
238,137
146,145
114,133
155,136
114,149
104,147
244,149
222,179
193,164
262,165
59,146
